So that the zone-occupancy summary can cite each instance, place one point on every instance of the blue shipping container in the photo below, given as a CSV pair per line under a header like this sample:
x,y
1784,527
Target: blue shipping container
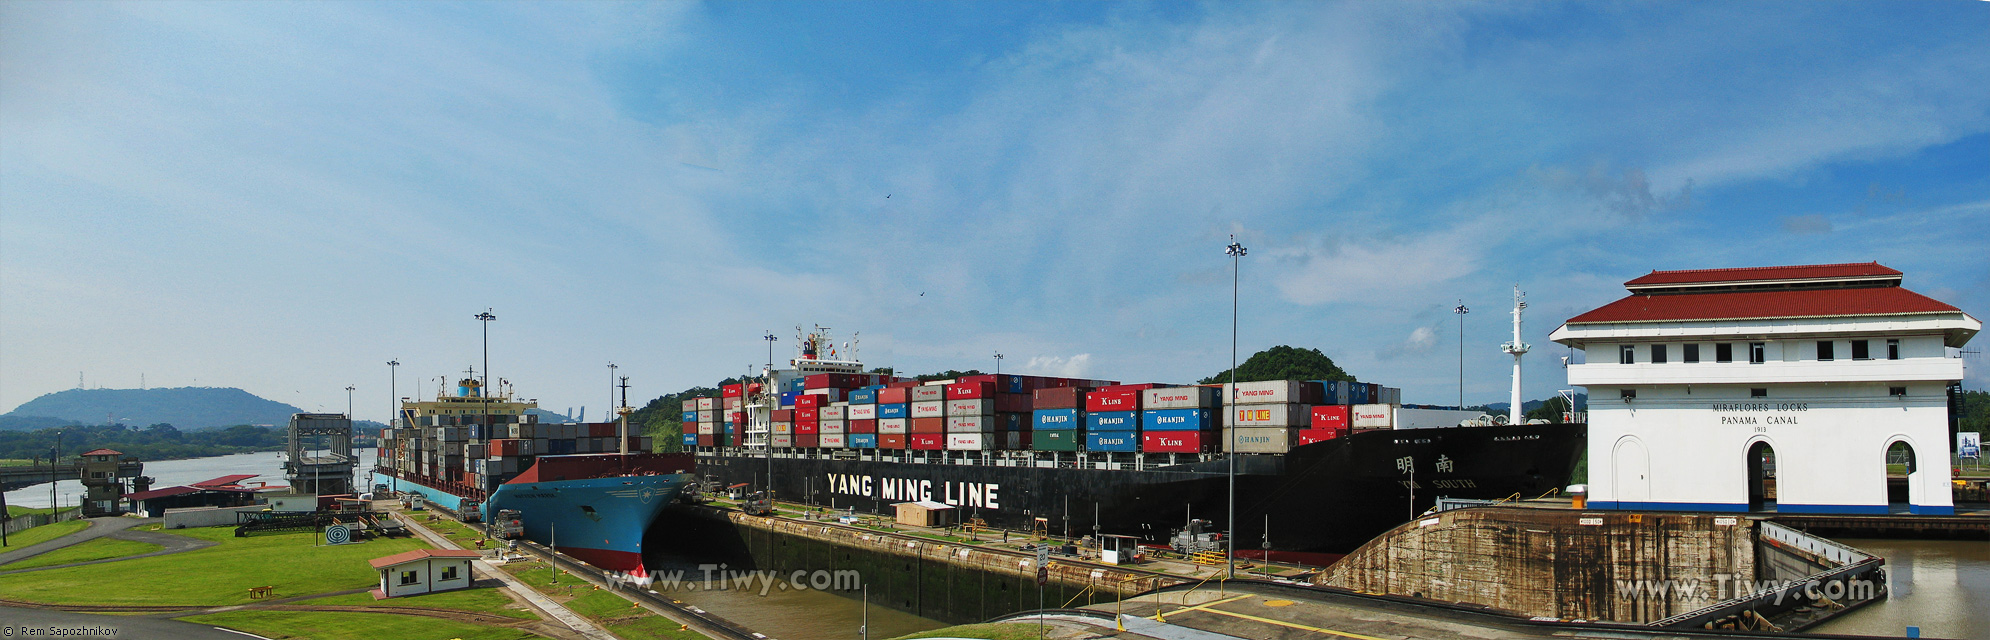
x,y
1359,394
690,439
1177,419
1009,384
1113,441
690,416
788,399
1058,419
864,396
894,411
863,441
1113,421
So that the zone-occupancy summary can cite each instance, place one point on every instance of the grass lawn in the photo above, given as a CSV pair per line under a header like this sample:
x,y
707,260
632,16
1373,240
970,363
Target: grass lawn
x,y
98,549
217,575
456,532
22,511
618,614
44,533
484,600
339,625
652,628
997,631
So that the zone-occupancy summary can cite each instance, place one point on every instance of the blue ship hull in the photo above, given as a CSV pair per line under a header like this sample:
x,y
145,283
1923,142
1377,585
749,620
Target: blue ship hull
x,y
599,521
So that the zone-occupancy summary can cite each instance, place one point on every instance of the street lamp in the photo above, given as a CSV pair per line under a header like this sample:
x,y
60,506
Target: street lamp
x,y
611,385
771,394
348,402
484,387
393,414
998,364
1461,311
1236,252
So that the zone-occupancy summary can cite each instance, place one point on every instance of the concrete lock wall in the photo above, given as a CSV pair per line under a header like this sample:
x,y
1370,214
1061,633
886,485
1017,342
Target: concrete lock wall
x,y
1611,566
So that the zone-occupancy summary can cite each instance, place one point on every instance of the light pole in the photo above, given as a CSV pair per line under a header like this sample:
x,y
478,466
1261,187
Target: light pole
x,y
768,391
1236,252
348,402
53,456
393,415
1461,311
611,385
484,388
998,364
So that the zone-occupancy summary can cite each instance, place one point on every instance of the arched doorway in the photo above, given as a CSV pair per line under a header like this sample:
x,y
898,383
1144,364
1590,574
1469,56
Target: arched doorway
x,y
1633,473
1761,477
1901,466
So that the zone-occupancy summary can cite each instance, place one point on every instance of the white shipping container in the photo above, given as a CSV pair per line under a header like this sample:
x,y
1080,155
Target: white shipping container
x,y
977,407
1267,392
708,416
1180,398
971,424
970,441
1407,418
831,412
708,404
929,409
1268,415
707,428
783,441
691,405
828,427
832,441
1262,440
1373,416
861,412
832,395
784,427
928,391
894,426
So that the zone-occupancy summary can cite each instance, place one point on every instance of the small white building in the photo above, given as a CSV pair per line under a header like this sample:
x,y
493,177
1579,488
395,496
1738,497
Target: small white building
x,y
424,571
1717,389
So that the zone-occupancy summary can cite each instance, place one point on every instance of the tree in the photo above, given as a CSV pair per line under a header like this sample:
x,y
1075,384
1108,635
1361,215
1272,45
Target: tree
x,y
1551,410
1284,363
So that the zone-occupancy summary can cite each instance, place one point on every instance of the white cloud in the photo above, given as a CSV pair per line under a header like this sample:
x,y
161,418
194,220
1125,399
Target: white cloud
x,y
1077,366
1422,340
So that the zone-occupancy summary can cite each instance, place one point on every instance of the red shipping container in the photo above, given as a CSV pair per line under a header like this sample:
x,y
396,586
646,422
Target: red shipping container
x,y
706,441
891,441
1068,397
808,441
970,390
810,401
927,441
784,415
730,391
807,428
1310,436
1013,403
894,395
736,417
808,415
1130,387
817,381
862,426
903,383
1102,400
1331,416
929,425
1178,441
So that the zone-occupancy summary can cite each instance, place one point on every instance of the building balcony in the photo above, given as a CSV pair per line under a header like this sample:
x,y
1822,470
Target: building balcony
x,y
1625,375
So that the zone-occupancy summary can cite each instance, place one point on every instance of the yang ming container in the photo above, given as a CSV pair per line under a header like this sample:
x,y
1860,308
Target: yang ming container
x,y
1374,416
1179,398
1276,392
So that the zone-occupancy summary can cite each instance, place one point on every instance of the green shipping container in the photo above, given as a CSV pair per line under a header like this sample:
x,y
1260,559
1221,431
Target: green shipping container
x,y
1058,440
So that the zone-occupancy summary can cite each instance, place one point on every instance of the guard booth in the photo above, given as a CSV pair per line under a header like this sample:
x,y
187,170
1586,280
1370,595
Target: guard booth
x,y
423,571
1117,549
924,513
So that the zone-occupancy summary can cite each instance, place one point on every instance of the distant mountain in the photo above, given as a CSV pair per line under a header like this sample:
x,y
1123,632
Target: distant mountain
x,y
183,407
548,417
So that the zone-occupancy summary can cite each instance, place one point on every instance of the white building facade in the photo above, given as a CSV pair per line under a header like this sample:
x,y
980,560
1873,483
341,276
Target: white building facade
x,y
1768,388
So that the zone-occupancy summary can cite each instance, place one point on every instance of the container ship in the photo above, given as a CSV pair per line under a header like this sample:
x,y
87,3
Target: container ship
x,y
1321,466
574,486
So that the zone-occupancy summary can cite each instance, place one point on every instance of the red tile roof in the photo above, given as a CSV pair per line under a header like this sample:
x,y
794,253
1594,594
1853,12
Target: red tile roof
x,y
1736,305
103,452
225,480
419,554
1791,272
160,493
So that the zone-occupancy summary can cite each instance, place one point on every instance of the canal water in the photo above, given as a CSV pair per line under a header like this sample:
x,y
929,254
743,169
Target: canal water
x,y
172,473
1941,586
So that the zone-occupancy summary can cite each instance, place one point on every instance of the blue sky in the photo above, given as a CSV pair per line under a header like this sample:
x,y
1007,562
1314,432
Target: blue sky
x,y
284,196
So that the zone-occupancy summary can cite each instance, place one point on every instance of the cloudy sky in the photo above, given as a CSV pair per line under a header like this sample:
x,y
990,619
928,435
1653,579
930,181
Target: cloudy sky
x,y
284,196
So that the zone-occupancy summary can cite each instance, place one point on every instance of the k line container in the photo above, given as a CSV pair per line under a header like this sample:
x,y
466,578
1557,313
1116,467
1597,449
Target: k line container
x,y
1113,421
810,402
1178,419
1262,440
1098,401
1112,441
1374,416
1057,420
970,390
1310,436
1180,398
1268,415
1330,416
926,441
1055,440
1178,441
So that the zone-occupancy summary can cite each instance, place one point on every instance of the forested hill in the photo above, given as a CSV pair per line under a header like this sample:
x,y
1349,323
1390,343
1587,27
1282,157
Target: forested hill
x,y
183,407
1283,363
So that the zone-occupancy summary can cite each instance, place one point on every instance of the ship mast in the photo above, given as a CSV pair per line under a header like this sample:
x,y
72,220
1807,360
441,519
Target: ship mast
x,y
1517,348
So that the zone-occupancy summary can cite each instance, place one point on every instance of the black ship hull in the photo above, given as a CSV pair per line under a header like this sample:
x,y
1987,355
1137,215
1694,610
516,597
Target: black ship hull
x,y
1322,498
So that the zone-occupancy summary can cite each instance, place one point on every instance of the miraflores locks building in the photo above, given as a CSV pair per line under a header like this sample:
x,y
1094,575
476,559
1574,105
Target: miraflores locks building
x,y
1705,384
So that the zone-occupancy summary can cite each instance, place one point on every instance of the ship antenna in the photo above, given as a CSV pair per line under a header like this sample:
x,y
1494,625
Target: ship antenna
x,y
1517,348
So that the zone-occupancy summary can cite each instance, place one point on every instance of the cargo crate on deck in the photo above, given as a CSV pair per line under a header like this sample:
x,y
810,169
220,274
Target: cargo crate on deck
x,y
1057,420
1112,441
1055,439
1058,398
1178,419
1262,440
1102,401
1112,421
1179,441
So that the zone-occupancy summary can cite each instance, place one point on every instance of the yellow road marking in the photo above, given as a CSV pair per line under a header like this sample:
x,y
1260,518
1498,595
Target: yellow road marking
x,y
1163,616
1205,608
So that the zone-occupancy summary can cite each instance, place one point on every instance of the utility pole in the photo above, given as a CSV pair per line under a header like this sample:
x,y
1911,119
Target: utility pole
x,y
484,387
1461,311
998,364
611,384
53,455
393,416
1236,252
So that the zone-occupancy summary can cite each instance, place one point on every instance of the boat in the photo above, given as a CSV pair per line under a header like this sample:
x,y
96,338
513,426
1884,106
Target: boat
x,y
1309,503
585,489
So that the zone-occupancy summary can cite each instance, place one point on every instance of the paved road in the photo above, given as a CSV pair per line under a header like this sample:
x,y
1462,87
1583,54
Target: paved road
x,y
20,622
99,527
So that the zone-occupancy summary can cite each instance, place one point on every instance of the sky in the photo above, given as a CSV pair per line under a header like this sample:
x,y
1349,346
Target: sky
x,y
283,197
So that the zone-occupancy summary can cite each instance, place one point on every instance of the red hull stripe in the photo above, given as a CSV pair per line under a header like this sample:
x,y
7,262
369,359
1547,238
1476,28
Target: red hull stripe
x,y
628,562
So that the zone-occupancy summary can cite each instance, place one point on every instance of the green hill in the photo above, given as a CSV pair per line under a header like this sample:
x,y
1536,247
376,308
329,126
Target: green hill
x,y
183,407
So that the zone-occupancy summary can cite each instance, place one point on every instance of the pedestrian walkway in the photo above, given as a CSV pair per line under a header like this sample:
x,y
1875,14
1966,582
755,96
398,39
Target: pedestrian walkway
x,y
171,543
99,527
